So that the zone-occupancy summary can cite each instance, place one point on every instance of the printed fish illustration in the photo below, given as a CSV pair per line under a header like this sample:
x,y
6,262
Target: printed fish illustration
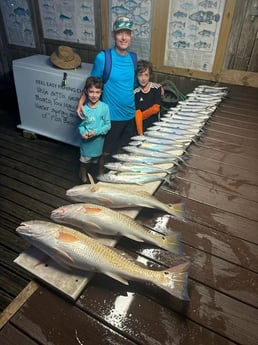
x,y
120,10
187,6
68,32
64,17
178,34
206,33
114,197
202,45
131,178
20,11
208,4
180,14
204,17
181,44
178,24
73,249
95,219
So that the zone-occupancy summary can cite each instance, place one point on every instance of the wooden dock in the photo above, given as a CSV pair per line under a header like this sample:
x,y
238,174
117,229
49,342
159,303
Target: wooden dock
x,y
219,186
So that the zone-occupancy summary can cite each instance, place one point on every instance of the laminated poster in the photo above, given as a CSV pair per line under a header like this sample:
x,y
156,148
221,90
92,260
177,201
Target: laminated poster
x,y
18,23
68,20
192,33
140,12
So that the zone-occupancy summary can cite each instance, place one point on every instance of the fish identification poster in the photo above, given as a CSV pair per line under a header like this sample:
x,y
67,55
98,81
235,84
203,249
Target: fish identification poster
x,y
192,33
18,23
70,21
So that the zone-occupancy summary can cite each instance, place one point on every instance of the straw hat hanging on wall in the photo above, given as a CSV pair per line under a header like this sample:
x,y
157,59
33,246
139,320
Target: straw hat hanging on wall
x,y
64,57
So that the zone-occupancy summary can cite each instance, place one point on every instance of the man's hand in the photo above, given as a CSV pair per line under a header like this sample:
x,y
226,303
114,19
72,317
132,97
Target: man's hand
x,y
80,109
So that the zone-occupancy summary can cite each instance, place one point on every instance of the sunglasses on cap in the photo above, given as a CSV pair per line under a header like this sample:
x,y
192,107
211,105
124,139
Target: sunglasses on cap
x,y
120,24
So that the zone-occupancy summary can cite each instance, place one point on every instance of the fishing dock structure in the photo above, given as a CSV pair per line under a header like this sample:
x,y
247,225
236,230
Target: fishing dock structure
x,y
219,188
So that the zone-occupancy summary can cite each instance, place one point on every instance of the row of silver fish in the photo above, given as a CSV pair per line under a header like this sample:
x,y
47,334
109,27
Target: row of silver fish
x,y
166,141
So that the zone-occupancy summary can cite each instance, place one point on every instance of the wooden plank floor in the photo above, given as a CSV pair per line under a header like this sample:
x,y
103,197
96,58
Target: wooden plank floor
x,y
219,185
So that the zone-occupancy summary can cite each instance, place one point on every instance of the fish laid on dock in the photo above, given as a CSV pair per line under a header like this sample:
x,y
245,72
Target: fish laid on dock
x,y
114,197
73,249
132,167
132,178
124,157
95,219
148,152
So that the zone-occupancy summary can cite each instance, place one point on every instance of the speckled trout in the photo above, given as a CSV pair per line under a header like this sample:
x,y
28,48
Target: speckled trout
x,y
73,249
116,197
95,219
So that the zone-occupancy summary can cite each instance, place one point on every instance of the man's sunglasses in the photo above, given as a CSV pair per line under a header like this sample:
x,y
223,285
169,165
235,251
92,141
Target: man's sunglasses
x,y
122,24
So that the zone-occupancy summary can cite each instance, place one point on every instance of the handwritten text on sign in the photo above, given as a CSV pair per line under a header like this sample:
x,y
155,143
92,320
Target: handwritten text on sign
x,y
57,103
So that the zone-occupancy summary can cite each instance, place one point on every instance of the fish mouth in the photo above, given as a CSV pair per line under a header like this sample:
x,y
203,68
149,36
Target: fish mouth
x,y
57,213
23,228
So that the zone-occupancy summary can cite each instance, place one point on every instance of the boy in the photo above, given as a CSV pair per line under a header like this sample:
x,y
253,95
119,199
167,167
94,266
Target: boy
x,y
147,98
94,126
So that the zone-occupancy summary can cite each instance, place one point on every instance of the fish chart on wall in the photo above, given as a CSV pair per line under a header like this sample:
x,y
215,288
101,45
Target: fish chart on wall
x,y
71,21
192,33
18,22
140,12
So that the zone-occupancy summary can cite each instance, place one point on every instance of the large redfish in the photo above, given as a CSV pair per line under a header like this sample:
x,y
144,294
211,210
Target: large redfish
x,y
96,219
73,249
117,197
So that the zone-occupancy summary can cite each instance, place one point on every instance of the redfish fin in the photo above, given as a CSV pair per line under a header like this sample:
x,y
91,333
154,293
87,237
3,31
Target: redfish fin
x,y
177,210
64,255
174,243
178,281
134,238
92,182
117,277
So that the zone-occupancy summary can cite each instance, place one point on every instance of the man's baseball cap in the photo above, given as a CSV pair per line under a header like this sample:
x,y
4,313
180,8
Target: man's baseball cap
x,y
122,23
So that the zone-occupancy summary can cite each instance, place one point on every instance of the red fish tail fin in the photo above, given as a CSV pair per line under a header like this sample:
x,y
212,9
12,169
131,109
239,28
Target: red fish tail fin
x,y
177,210
177,281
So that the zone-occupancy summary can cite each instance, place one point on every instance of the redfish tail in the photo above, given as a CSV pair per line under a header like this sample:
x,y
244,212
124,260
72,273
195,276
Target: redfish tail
x,y
174,243
177,210
177,281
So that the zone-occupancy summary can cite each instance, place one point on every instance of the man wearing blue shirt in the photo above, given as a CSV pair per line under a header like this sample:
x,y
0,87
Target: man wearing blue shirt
x,y
118,91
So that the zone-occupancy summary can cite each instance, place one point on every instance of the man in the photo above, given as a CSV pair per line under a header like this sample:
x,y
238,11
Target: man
x,y
118,91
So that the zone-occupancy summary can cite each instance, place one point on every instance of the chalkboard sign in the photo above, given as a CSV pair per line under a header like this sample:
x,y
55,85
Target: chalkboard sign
x,y
47,105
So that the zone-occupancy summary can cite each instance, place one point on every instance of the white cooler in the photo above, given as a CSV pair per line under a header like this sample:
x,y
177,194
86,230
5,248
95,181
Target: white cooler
x,y
47,106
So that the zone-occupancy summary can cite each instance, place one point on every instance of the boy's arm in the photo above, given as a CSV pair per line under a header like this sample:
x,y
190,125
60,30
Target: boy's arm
x,y
154,109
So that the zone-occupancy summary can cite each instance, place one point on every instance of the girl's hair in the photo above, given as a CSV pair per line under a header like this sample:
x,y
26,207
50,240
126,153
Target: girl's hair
x,y
143,65
93,81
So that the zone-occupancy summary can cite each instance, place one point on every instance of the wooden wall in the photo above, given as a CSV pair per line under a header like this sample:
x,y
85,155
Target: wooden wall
x,y
236,59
